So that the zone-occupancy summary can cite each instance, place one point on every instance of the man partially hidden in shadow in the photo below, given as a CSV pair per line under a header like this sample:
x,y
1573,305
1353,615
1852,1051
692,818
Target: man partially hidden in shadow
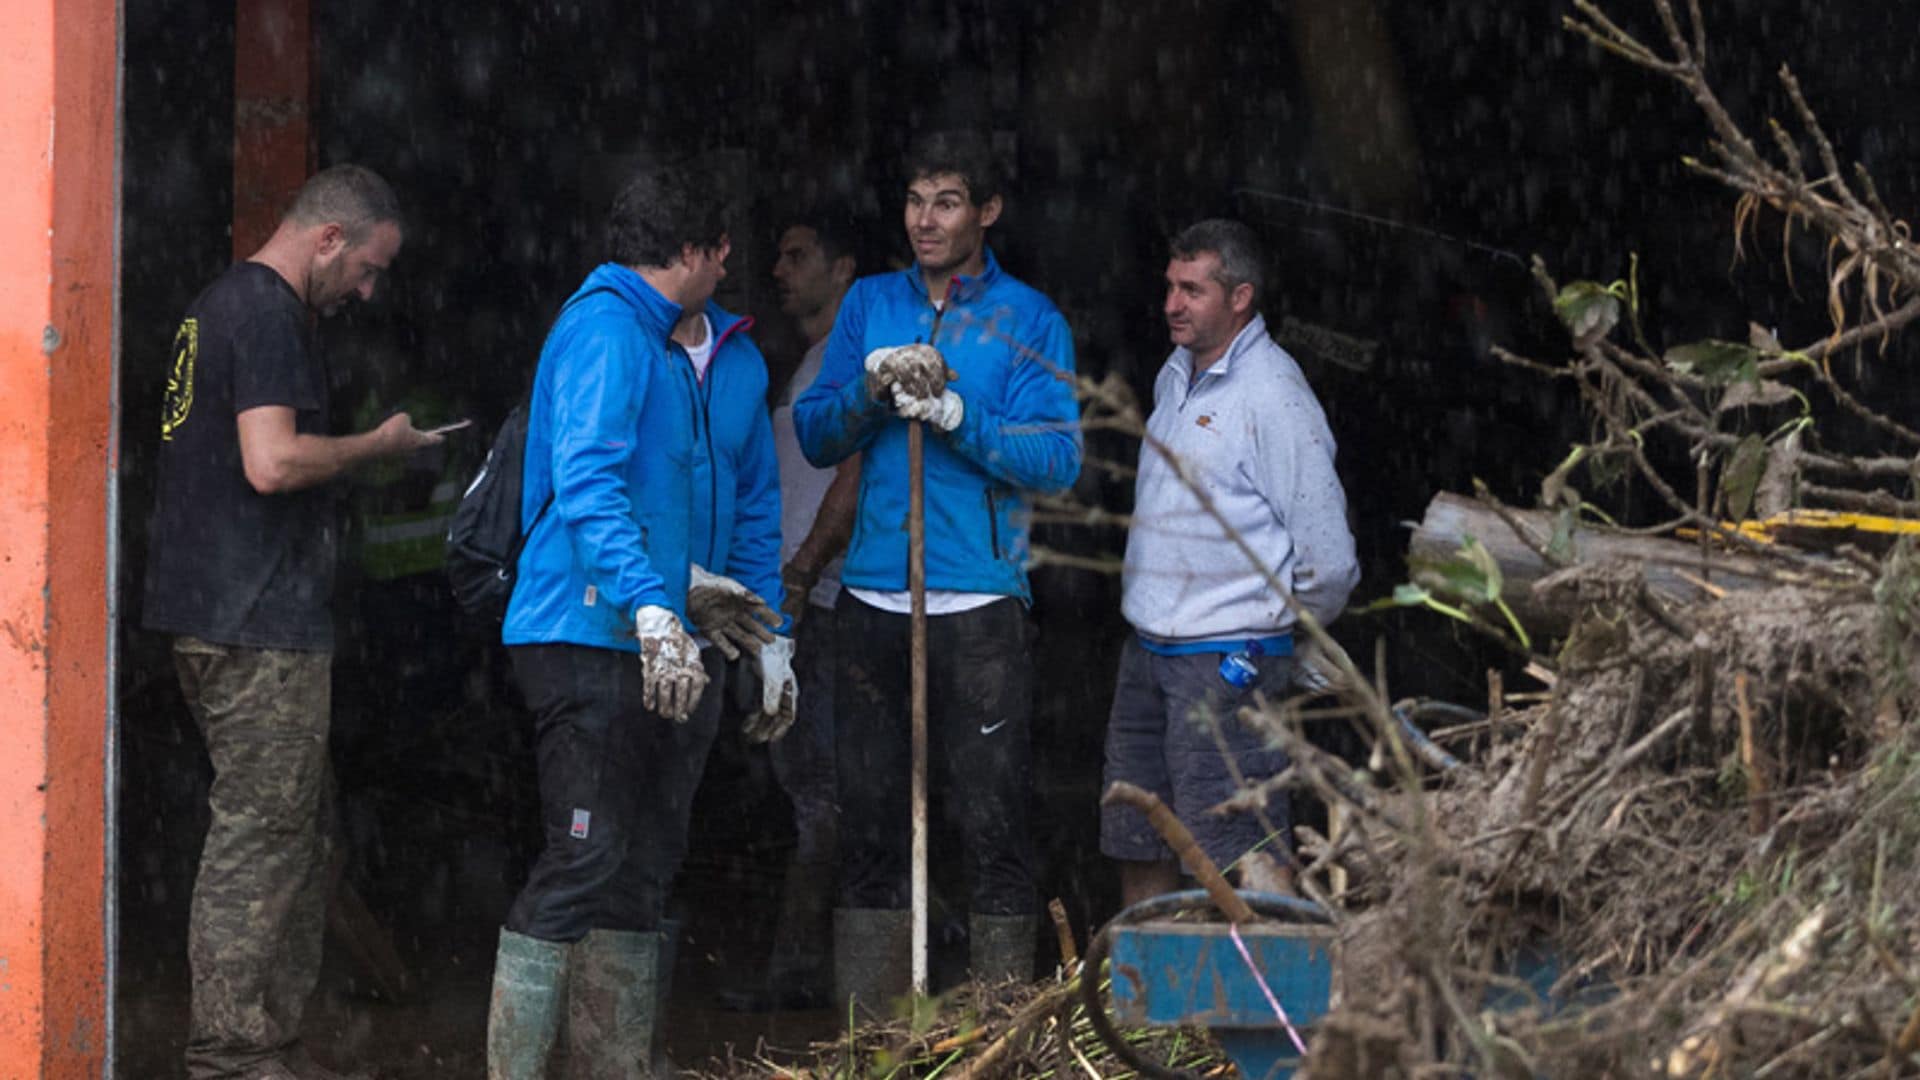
x,y
818,260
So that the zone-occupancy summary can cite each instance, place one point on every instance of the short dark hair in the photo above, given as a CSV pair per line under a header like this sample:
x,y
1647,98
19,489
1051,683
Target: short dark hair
x,y
661,210
353,197
1242,262
833,229
966,154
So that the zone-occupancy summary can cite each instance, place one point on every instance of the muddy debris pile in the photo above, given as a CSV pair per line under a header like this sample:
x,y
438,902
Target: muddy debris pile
x,y
977,1032
1694,857
1688,849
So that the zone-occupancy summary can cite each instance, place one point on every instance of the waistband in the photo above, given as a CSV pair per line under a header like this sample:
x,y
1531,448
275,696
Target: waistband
x,y
1274,645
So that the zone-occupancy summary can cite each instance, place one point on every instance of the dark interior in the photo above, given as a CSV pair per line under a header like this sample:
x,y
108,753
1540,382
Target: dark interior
x,y
1403,161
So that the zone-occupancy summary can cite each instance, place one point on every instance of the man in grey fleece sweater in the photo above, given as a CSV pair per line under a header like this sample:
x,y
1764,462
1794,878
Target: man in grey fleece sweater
x,y
1233,419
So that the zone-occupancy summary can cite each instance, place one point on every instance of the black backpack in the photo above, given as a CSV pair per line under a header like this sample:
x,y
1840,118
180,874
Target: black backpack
x,y
484,542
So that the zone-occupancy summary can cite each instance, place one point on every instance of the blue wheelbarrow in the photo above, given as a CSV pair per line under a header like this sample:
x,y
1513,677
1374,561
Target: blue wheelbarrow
x,y
1255,986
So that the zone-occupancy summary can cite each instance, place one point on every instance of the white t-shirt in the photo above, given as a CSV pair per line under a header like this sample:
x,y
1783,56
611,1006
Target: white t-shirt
x,y
939,601
702,354
802,486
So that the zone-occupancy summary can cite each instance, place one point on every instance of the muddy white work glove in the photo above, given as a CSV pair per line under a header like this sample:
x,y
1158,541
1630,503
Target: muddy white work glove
x,y
672,677
880,373
731,615
918,370
779,694
943,412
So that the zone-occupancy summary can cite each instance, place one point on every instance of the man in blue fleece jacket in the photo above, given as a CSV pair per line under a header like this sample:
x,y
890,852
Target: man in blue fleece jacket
x,y
735,593
596,631
987,363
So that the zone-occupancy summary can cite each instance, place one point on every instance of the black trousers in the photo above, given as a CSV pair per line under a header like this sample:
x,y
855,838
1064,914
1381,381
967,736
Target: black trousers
x,y
979,716
616,793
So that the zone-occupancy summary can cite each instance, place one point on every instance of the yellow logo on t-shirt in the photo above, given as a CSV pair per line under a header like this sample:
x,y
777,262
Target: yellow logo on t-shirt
x,y
186,349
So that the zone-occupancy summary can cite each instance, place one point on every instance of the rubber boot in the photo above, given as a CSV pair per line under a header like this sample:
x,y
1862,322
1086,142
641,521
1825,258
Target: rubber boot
x,y
872,958
800,974
669,955
1000,948
613,1005
529,992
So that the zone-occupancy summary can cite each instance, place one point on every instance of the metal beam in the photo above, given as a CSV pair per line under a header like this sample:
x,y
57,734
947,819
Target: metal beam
x,y
272,88
59,119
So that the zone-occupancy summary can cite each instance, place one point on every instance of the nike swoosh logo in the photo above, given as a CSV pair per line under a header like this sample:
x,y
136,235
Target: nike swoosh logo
x,y
988,729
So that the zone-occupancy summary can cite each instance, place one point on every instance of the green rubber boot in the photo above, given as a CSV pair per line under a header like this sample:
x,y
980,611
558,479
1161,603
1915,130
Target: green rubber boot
x,y
663,991
1000,947
529,992
872,958
613,1005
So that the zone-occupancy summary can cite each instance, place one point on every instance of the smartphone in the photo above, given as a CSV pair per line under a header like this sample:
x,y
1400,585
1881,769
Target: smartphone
x,y
444,428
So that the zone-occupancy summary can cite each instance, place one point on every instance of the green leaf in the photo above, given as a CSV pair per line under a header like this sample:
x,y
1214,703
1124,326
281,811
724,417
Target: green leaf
x,y
1470,573
1717,362
1742,474
1404,596
1758,392
1560,546
1488,567
1589,309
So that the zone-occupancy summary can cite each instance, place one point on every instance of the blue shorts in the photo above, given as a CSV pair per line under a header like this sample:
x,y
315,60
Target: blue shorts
x,y
1159,738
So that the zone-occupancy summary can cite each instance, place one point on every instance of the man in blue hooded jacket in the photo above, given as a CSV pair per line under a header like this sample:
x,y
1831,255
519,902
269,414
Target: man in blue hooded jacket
x,y
735,591
596,631
987,363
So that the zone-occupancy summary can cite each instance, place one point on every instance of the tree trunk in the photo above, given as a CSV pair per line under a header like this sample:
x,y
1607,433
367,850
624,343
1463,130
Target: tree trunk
x,y
1662,563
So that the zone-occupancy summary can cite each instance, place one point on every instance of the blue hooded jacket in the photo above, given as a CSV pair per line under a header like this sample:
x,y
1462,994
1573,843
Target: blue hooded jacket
x,y
1019,431
736,477
610,435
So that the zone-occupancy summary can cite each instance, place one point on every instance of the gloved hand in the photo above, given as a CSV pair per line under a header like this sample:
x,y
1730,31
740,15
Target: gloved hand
x,y
943,412
779,694
672,677
731,615
919,370
797,584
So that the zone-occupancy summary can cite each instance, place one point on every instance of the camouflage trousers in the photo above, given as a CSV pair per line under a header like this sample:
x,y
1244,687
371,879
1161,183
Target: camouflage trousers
x,y
259,903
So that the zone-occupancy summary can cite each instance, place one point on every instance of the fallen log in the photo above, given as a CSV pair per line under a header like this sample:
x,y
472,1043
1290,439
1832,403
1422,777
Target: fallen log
x,y
1673,571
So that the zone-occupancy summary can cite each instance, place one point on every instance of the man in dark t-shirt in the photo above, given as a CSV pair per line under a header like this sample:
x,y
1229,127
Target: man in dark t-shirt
x,y
239,571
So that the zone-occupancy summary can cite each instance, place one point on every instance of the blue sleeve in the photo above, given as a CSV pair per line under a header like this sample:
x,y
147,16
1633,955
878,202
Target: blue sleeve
x,y
599,384
1031,438
753,555
835,418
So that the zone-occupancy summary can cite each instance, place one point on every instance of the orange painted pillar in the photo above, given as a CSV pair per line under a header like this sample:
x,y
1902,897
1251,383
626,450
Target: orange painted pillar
x,y
59,115
272,145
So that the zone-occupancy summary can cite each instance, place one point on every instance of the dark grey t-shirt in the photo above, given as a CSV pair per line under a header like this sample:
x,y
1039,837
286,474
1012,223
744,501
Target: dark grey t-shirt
x,y
226,563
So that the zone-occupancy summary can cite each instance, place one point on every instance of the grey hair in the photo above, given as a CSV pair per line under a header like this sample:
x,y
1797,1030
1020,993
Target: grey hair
x,y
1242,262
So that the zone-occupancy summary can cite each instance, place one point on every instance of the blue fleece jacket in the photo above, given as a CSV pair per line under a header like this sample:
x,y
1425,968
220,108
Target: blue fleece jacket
x,y
1019,432
610,435
736,477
